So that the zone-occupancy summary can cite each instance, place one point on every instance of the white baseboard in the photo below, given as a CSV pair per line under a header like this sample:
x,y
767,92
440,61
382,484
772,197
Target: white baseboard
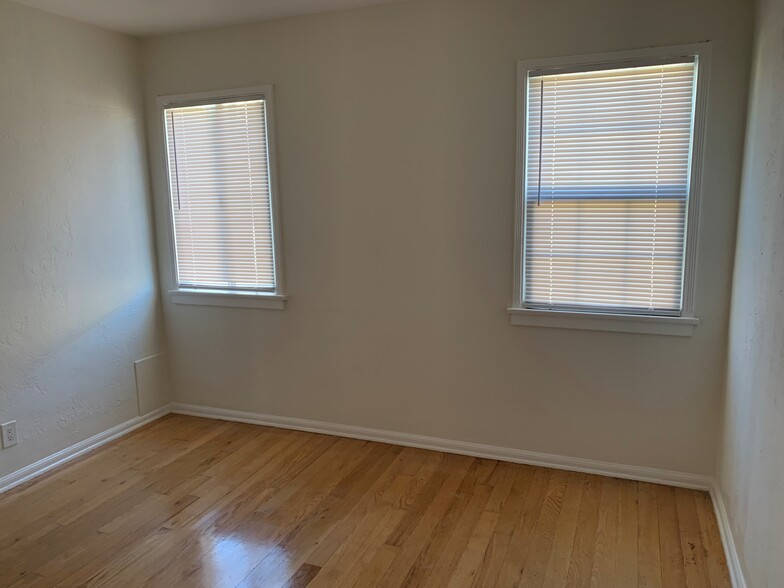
x,y
560,462
730,549
603,468
65,455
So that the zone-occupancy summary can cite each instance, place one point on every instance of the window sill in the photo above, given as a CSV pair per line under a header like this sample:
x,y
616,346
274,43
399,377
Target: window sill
x,y
621,323
229,298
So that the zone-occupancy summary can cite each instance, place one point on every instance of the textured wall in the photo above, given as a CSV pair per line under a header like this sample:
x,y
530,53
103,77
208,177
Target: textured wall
x,y
396,143
751,468
78,299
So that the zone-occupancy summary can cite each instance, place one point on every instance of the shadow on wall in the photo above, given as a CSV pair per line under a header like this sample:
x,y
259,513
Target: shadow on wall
x,y
82,381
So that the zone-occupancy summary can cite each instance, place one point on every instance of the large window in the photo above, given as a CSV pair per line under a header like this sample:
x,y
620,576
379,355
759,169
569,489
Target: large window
x,y
607,186
222,193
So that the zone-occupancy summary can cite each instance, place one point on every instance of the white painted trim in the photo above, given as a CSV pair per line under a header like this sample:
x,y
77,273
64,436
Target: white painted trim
x,y
69,453
727,539
265,92
235,298
593,321
630,58
589,466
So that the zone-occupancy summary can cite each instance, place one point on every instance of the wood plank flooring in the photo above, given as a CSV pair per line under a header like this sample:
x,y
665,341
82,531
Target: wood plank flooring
x,y
195,502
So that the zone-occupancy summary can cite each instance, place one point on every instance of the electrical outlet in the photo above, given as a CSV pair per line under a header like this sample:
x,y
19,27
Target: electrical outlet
x,y
9,434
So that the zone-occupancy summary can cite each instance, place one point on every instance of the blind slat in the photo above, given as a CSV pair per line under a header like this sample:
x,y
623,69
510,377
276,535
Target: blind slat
x,y
221,199
607,188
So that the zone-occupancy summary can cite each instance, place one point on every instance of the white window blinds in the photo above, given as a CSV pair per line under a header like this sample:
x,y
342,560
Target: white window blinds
x,y
607,188
219,175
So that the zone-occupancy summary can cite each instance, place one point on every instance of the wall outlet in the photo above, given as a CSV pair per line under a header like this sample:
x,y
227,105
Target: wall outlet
x,y
9,434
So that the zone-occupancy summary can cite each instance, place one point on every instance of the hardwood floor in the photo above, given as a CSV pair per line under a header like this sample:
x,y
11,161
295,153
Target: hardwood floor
x,y
194,502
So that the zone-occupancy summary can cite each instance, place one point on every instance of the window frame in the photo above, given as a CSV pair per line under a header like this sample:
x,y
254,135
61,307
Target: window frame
x,y
231,297
594,319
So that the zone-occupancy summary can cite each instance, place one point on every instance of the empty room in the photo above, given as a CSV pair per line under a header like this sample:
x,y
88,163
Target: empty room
x,y
384,293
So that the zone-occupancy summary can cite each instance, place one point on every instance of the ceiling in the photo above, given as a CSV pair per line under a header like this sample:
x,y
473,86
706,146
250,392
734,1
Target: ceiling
x,y
152,17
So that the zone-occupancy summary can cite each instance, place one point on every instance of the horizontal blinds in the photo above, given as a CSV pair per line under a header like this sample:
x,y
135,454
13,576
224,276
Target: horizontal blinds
x,y
220,189
606,188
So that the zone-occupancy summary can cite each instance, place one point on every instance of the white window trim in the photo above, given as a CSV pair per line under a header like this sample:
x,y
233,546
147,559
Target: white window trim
x,y
270,299
620,323
232,298
682,325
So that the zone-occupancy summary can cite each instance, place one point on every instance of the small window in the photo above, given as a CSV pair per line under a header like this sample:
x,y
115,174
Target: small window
x,y
607,186
222,192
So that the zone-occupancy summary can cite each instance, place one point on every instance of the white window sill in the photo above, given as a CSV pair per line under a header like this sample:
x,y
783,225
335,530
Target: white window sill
x,y
230,298
622,323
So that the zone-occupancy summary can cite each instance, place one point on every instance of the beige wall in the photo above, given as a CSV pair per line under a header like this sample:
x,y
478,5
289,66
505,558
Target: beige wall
x,y
396,135
78,298
751,468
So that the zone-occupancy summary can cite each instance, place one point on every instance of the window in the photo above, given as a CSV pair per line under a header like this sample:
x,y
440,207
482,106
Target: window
x,y
222,190
607,188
